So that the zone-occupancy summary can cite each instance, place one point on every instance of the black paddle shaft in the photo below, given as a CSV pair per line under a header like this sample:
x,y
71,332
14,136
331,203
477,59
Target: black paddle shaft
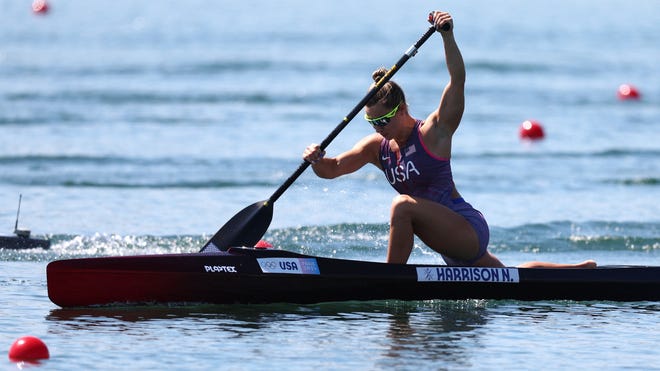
x,y
326,142
248,226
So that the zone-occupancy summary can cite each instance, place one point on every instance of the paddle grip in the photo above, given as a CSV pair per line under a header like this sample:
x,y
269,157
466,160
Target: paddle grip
x,y
445,27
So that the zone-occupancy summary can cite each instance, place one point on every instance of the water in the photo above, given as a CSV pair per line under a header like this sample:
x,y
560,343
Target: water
x,y
138,128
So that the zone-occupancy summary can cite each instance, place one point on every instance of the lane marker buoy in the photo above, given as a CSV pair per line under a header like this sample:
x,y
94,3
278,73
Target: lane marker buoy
x,y
531,129
263,244
40,6
628,92
28,348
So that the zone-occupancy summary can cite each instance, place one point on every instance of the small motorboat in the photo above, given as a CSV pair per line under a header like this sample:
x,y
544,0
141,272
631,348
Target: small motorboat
x,y
22,239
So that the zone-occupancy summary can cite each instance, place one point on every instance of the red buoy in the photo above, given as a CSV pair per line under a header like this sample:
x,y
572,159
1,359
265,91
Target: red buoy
x,y
40,6
263,244
627,92
28,348
531,130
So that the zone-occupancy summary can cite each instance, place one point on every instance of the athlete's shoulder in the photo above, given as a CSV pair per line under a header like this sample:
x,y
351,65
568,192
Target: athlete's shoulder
x,y
374,139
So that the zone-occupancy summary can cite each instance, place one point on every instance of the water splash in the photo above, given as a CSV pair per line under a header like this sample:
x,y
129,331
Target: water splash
x,y
363,241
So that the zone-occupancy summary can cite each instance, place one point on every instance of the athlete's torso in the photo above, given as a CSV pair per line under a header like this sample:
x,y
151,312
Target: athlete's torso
x,y
415,171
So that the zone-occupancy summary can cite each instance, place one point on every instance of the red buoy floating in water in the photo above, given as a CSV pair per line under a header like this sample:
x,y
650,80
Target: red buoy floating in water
x,y
28,348
40,6
531,129
263,244
628,92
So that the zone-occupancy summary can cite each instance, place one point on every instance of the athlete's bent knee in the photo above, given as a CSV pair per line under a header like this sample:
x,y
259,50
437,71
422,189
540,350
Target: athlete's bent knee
x,y
401,204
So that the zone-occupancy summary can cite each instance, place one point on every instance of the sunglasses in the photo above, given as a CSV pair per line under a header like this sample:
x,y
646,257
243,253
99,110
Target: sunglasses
x,y
384,119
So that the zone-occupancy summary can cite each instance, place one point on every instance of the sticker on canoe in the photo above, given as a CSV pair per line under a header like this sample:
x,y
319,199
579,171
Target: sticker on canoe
x,y
289,265
463,274
220,269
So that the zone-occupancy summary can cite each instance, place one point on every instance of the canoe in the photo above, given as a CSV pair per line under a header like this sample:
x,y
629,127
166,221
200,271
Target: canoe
x,y
253,275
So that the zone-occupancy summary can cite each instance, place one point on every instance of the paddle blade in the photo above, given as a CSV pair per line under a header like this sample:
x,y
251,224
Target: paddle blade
x,y
245,229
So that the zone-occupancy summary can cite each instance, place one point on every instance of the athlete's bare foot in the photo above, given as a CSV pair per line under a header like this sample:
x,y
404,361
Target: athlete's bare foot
x,y
585,264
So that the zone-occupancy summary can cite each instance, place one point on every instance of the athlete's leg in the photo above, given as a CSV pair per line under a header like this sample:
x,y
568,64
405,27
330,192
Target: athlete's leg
x,y
488,260
535,264
439,227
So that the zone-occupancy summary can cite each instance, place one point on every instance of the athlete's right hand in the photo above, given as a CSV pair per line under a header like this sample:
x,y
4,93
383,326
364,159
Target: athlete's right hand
x,y
313,153
441,20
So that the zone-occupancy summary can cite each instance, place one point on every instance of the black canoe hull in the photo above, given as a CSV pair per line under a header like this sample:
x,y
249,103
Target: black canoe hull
x,y
247,275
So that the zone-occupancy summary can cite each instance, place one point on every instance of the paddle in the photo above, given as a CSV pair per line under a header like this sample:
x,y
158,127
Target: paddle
x,y
248,226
